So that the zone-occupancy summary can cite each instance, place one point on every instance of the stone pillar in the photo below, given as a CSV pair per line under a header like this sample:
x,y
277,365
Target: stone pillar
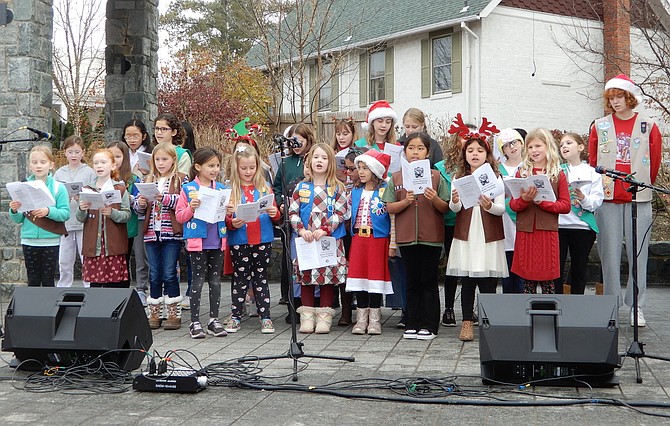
x,y
132,64
25,100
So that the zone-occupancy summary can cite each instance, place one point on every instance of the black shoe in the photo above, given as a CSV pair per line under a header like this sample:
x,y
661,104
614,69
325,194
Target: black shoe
x,y
401,323
449,318
283,301
475,319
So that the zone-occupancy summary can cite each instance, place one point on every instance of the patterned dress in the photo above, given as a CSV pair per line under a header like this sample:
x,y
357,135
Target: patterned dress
x,y
323,203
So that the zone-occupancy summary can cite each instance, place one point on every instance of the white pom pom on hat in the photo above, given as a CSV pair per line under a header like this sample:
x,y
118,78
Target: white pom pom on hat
x,y
623,82
379,109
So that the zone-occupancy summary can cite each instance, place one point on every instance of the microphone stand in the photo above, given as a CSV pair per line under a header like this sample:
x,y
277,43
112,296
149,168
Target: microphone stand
x,y
636,349
295,351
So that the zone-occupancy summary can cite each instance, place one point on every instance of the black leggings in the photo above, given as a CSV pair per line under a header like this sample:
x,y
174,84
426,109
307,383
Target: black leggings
x,y
468,287
206,264
450,282
423,296
41,265
579,242
250,268
369,300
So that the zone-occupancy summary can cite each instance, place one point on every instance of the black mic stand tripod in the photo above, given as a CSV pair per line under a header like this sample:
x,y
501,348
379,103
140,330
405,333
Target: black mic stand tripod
x,y
295,351
636,349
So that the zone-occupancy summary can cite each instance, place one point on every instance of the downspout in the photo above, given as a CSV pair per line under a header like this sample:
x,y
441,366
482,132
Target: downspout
x,y
468,74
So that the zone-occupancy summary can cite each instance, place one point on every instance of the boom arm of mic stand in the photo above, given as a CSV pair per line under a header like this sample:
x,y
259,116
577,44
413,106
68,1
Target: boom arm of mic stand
x,y
634,182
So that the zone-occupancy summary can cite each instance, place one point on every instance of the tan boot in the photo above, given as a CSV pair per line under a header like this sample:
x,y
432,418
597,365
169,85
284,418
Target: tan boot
x,y
567,288
307,317
361,321
155,307
467,334
600,289
375,321
173,306
324,319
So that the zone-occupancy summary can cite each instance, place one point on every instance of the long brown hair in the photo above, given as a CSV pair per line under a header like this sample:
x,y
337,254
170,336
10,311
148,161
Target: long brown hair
x,y
124,172
464,167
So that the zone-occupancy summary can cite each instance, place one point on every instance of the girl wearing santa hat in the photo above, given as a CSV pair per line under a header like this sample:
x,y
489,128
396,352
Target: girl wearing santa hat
x,y
379,126
368,274
628,142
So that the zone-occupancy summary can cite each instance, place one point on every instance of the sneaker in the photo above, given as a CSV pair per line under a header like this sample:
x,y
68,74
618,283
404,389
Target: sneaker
x,y
186,303
424,334
215,328
475,318
449,318
233,325
641,322
409,334
401,323
266,326
196,331
143,297
283,301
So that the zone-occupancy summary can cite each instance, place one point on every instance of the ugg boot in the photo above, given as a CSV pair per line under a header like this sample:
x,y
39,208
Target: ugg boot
x,y
375,321
324,319
361,325
345,318
466,331
600,289
567,288
173,306
307,317
155,307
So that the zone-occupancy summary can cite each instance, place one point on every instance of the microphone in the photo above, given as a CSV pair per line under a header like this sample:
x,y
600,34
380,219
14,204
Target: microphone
x,y
604,171
43,135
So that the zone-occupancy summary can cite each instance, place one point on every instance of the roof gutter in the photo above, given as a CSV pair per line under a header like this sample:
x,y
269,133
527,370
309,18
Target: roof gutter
x,y
468,74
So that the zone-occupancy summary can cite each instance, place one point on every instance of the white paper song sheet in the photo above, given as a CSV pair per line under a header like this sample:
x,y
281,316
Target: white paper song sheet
x,y
143,160
73,188
339,159
249,212
541,182
213,203
33,195
316,254
149,190
416,175
395,151
275,162
482,181
100,199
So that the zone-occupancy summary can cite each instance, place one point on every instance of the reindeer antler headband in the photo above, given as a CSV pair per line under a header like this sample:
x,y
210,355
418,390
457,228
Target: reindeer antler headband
x,y
485,130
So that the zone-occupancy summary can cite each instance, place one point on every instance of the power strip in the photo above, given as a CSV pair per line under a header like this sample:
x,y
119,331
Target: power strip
x,y
181,380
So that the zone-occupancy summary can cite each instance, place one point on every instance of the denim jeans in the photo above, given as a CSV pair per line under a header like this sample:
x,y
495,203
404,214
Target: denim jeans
x,y
162,257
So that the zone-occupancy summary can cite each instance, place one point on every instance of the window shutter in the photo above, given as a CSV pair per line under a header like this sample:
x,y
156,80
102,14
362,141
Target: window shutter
x,y
335,89
363,80
426,83
457,63
388,76
313,101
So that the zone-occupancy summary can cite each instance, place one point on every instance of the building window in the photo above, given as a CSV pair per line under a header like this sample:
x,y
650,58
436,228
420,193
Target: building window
x,y
377,73
326,90
441,64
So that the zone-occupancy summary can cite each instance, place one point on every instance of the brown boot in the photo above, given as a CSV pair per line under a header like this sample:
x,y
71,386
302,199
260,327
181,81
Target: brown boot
x,y
567,288
600,289
173,306
155,307
361,321
345,318
467,334
324,319
375,321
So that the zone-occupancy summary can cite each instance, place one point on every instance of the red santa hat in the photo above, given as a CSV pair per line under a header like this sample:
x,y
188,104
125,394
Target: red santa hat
x,y
623,82
377,162
379,109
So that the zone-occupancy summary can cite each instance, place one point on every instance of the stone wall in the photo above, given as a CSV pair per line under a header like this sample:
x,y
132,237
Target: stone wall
x,y
25,100
131,60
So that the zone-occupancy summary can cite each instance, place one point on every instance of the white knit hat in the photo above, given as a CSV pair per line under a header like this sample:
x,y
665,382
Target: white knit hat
x,y
377,162
379,109
623,82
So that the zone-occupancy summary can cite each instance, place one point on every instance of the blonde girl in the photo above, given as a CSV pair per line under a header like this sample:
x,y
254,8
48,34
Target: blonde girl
x,y
536,249
414,121
380,123
74,171
41,229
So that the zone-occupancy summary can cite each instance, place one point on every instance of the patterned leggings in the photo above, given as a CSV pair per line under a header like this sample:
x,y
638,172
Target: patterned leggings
x,y
250,267
530,287
41,264
206,264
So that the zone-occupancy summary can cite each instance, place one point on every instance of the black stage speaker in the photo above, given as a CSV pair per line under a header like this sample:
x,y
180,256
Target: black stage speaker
x,y
71,326
548,339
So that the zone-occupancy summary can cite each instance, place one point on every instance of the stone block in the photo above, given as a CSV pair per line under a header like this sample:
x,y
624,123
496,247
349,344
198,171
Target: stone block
x,y
135,100
23,10
660,248
27,34
121,118
8,99
7,253
13,272
21,75
124,5
8,173
9,232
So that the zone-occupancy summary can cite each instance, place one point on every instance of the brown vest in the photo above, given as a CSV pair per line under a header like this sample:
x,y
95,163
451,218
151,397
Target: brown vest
x,y
542,220
174,188
116,234
421,212
493,225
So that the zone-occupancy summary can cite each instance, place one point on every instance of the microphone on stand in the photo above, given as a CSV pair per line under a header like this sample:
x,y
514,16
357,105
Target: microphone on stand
x,y
43,135
605,171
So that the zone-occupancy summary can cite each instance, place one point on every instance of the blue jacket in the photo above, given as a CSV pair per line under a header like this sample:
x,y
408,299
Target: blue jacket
x,y
59,212
306,209
196,228
381,221
239,236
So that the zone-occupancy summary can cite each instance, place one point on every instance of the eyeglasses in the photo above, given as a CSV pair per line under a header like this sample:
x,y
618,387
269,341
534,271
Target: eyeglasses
x,y
162,129
350,169
134,137
511,144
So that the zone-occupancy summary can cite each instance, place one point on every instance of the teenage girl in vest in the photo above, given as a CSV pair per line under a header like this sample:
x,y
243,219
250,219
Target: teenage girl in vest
x,y
74,171
167,129
163,235
419,225
577,230
105,235
138,140
250,242
40,247
510,144
368,274
536,250
317,210
205,242
477,253
631,143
